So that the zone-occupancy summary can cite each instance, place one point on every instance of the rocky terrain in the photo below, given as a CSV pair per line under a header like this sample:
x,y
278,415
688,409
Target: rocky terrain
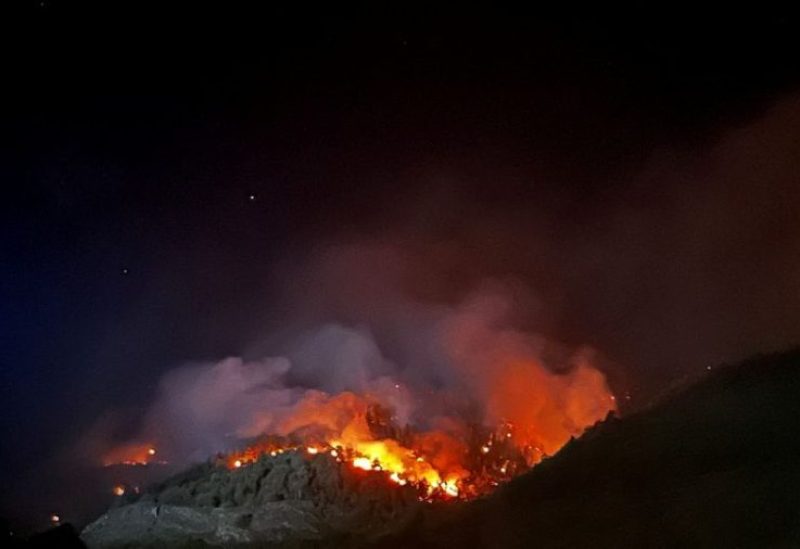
x,y
292,499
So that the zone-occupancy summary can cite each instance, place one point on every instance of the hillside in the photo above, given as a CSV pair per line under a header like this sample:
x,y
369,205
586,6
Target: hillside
x,y
714,465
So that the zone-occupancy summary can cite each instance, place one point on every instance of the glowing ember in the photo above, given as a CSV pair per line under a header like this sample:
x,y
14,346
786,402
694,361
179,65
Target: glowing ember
x,y
119,490
396,478
450,488
55,519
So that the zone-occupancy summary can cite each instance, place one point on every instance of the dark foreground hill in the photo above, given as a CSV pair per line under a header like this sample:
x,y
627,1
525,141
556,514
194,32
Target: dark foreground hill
x,y
714,465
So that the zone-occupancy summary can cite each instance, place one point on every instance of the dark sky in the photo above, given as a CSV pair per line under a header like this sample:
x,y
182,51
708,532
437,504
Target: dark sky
x,y
637,175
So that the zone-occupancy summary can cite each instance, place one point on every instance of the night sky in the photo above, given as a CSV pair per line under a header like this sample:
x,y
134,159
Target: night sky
x,y
171,179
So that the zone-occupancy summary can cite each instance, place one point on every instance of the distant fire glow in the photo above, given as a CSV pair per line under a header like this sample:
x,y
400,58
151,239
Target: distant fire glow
x,y
131,454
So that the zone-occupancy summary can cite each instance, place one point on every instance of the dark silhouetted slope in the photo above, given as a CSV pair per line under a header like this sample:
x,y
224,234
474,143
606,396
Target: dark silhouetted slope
x,y
714,465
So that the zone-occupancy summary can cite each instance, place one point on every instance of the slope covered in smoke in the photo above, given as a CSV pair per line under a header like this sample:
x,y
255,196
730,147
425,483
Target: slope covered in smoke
x,y
713,465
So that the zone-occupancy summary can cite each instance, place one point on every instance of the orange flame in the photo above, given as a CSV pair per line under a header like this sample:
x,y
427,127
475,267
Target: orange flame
x,y
444,463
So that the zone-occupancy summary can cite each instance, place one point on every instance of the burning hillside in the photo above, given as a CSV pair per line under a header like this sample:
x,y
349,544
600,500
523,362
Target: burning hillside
x,y
458,461
278,491
495,402
350,431
281,495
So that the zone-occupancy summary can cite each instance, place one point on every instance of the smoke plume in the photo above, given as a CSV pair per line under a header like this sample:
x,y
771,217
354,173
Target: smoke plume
x,y
435,367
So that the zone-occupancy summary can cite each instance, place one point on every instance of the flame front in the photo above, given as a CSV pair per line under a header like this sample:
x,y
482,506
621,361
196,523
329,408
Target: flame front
x,y
459,460
504,402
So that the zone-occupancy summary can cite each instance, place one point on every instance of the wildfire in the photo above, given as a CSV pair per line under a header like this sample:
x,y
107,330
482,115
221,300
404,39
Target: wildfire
x,y
462,464
519,411
398,464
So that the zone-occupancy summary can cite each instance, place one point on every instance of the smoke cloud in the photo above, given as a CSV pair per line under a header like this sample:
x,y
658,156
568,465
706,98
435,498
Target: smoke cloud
x,y
442,367
475,308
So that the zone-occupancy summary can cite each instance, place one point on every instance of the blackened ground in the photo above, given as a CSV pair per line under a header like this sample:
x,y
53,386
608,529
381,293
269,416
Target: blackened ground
x,y
714,465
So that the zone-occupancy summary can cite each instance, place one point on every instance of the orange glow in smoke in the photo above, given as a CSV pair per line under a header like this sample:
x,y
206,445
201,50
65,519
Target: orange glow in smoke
x,y
535,416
